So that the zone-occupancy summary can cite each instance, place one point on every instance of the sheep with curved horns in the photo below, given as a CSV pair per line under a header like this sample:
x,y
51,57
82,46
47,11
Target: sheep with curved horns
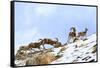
x,y
54,43
72,35
82,34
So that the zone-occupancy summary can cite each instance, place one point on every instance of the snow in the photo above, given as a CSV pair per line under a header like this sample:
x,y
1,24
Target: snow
x,y
83,53
79,51
20,63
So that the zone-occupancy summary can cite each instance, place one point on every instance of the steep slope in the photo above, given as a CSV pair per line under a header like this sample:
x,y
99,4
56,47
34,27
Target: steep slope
x,y
80,51
84,52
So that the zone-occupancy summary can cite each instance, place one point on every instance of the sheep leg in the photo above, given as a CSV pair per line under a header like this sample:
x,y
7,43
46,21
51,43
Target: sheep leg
x,y
85,38
43,47
68,39
33,50
39,49
74,39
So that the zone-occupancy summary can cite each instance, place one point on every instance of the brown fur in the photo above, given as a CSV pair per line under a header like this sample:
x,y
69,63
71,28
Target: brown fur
x,y
58,44
76,39
30,46
72,34
23,48
63,48
83,33
34,45
54,43
48,41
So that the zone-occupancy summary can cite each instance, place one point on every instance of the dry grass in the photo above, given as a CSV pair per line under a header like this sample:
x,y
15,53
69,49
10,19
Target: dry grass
x,y
44,58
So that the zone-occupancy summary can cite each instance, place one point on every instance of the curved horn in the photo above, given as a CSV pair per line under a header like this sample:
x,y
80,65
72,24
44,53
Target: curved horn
x,y
40,39
86,29
71,28
57,39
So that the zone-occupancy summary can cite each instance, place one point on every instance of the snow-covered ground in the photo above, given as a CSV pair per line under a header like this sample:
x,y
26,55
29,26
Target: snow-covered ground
x,y
80,51
83,52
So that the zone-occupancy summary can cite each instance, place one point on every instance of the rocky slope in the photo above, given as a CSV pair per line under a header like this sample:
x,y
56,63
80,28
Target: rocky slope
x,y
80,51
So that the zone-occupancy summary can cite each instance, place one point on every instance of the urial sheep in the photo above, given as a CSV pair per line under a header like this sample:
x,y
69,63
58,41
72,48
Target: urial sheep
x,y
34,45
82,35
72,35
51,42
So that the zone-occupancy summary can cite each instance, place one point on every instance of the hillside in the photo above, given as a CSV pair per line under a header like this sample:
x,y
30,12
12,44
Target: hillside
x,y
80,51
85,52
